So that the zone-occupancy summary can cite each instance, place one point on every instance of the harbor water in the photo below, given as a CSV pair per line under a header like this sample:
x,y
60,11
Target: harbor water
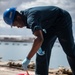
x,y
19,50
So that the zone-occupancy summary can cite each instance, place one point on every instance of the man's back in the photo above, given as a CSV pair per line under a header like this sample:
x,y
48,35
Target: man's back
x,y
45,12
42,15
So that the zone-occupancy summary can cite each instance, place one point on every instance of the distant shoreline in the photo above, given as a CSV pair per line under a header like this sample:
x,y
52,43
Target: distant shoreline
x,y
17,39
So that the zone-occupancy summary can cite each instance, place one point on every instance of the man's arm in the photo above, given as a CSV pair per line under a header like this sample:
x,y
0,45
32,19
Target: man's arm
x,y
37,43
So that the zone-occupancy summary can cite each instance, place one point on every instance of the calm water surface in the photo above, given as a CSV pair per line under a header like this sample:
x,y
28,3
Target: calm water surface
x,y
17,51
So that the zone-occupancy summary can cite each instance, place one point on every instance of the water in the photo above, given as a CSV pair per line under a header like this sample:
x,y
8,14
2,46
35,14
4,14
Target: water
x,y
17,51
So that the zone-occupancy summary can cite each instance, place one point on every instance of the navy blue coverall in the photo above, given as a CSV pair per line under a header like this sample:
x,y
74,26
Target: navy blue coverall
x,y
54,23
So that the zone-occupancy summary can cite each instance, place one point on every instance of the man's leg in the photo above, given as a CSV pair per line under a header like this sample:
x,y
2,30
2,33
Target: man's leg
x,y
42,61
67,41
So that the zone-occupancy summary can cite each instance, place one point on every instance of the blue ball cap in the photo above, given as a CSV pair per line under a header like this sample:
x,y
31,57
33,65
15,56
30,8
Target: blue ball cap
x,y
9,15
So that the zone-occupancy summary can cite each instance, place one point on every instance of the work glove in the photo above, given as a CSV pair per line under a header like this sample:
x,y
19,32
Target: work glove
x,y
41,52
25,63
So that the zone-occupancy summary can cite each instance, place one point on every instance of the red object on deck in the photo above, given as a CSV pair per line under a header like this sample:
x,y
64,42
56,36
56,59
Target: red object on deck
x,y
23,74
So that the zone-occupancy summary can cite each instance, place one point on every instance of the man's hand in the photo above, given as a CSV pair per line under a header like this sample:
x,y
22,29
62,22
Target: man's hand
x,y
25,63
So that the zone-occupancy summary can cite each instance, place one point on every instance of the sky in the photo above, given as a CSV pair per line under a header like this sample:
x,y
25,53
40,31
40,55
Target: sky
x,y
68,5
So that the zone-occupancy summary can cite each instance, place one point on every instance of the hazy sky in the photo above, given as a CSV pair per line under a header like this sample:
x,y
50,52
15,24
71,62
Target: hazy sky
x,y
68,5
